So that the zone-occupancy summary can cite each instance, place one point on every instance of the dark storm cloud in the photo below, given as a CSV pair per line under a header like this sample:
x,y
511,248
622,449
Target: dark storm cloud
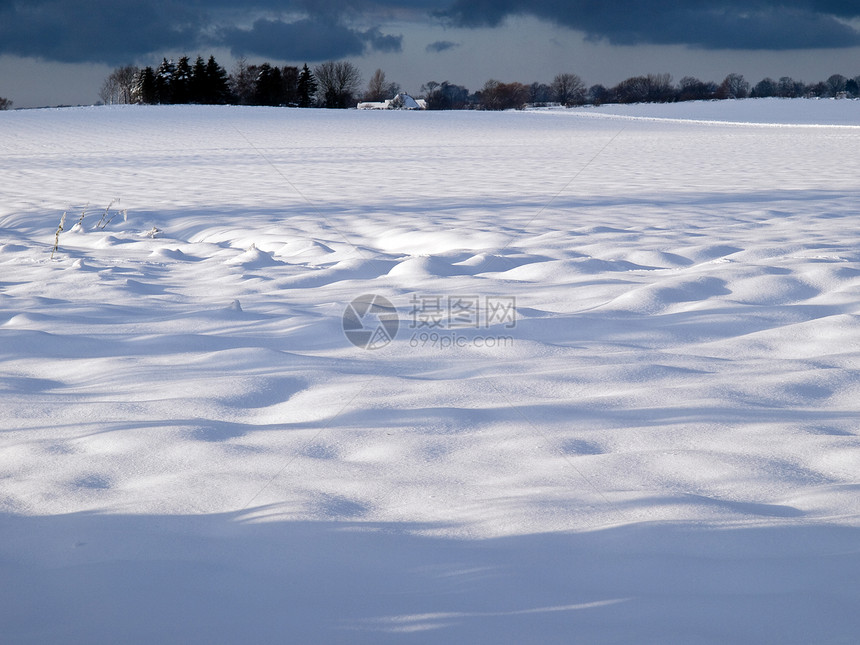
x,y
441,46
715,24
382,42
304,39
120,31
94,31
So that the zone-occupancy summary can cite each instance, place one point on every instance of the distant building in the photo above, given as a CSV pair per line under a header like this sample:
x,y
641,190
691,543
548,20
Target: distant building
x,y
400,102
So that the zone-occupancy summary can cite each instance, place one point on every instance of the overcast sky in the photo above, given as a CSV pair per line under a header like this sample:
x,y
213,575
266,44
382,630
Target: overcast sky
x,y
59,51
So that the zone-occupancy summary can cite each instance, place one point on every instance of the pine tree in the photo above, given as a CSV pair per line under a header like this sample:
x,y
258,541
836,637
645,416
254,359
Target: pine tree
x,y
164,81
182,81
197,84
217,87
290,80
306,87
264,90
269,86
145,91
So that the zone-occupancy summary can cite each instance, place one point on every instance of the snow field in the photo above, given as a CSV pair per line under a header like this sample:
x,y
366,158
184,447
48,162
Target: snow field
x,y
662,449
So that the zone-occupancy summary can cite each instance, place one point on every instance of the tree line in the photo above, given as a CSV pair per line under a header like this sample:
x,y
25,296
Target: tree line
x,y
333,84
338,84
569,90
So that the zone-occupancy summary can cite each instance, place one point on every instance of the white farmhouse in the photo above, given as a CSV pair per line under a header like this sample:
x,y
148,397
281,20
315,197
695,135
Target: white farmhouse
x,y
400,102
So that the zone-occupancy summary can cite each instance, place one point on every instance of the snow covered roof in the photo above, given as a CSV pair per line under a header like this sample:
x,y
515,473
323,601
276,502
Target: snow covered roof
x,y
400,102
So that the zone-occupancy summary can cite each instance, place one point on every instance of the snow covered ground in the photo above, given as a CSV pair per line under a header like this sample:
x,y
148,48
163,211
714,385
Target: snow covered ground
x,y
621,405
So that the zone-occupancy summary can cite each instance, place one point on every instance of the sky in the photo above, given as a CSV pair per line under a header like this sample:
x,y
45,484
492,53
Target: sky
x,y
58,52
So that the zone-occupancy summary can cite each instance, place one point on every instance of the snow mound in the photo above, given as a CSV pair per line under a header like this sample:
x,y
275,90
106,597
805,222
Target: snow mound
x,y
423,266
254,258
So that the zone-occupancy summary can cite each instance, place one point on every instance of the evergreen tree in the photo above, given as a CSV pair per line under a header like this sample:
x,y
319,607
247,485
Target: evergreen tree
x,y
217,88
197,84
268,86
290,80
146,91
164,81
306,87
182,81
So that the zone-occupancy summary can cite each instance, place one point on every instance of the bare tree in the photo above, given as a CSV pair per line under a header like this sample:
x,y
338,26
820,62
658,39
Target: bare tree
x,y
568,89
445,96
631,90
655,88
691,88
819,89
376,86
109,90
338,83
119,86
788,88
836,84
379,89
764,88
598,94
660,88
242,80
540,94
734,86
504,96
